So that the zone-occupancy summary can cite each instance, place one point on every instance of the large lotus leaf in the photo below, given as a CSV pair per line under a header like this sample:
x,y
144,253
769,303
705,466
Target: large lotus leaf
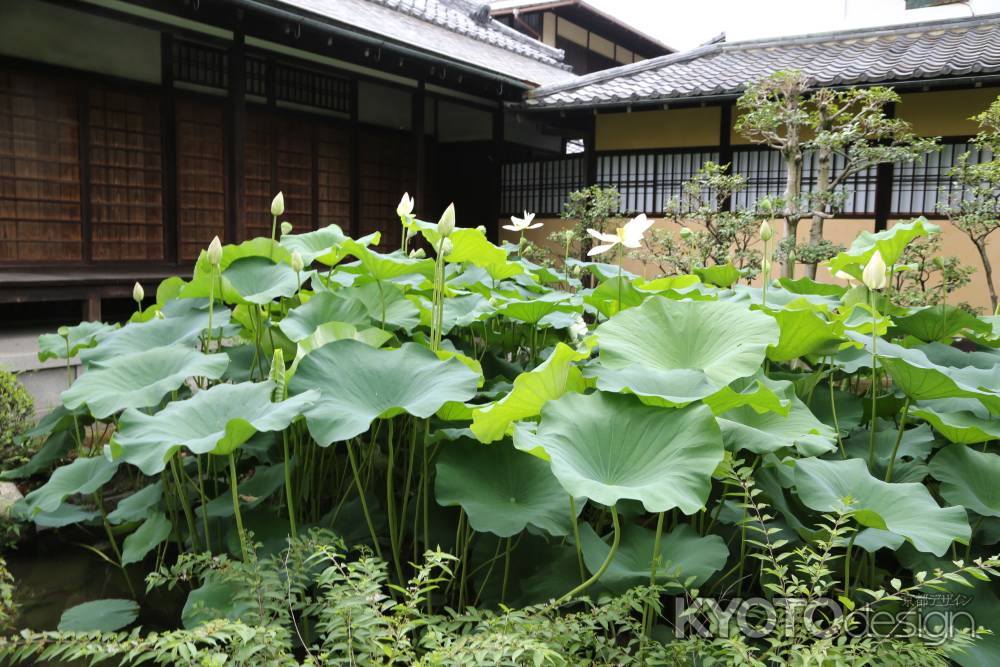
x,y
501,489
686,560
153,531
758,432
919,376
682,350
601,270
611,447
57,446
807,286
138,505
184,329
608,299
82,336
399,312
938,323
459,311
323,245
206,280
99,616
759,392
720,275
850,408
969,478
388,266
359,384
302,321
532,389
803,331
532,310
217,421
961,420
141,380
258,280
890,243
66,514
907,509
914,447
215,598
331,331
83,476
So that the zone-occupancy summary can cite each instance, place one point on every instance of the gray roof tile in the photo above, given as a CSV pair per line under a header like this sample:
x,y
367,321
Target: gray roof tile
x,y
876,55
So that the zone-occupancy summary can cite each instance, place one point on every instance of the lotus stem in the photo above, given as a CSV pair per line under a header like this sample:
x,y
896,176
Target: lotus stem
x,y
872,426
114,542
185,503
647,620
204,505
576,538
506,572
361,496
236,508
390,504
288,485
616,540
833,412
899,439
847,565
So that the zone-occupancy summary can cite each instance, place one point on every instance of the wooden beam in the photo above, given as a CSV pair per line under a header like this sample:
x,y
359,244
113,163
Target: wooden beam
x,y
83,140
355,163
418,124
168,148
883,185
726,143
236,229
493,227
590,151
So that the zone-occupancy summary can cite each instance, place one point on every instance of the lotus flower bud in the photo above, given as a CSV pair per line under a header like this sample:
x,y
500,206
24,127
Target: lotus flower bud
x,y
418,253
685,233
791,256
874,274
286,228
63,331
481,229
297,263
137,293
159,315
405,207
278,205
446,247
215,251
766,267
938,262
577,270
765,231
446,225
846,277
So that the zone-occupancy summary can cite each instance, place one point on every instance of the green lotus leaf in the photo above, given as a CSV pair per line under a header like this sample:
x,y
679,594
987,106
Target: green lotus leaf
x,y
66,514
681,351
153,531
258,280
532,389
608,300
969,478
206,280
83,476
323,245
808,286
914,447
215,598
907,510
600,270
668,283
388,266
804,331
331,331
759,392
501,489
141,380
302,321
99,616
611,447
960,420
216,421
400,312
890,243
82,336
138,505
359,384
686,561
459,311
534,309
720,275
850,408
873,539
938,323
184,329
252,492
56,447
468,245
747,428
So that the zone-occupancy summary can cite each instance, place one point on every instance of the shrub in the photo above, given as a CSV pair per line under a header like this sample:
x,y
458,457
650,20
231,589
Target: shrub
x,y
17,410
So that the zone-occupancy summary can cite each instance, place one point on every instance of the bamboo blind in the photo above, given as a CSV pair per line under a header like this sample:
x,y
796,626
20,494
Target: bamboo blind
x,y
294,154
126,175
40,209
258,173
333,145
201,175
385,175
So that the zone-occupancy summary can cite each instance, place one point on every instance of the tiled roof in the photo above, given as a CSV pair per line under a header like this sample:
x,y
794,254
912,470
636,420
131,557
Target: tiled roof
x,y
917,51
460,30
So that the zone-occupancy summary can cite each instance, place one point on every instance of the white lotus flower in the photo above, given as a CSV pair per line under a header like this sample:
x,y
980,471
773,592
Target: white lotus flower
x,y
846,277
446,225
874,276
521,224
297,263
215,251
405,207
629,236
278,205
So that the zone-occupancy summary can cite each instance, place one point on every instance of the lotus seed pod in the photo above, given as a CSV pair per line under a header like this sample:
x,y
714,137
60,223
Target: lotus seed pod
x,y
447,247
874,274
137,293
297,263
215,251
446,225
278,205
286,228
685,233
765,231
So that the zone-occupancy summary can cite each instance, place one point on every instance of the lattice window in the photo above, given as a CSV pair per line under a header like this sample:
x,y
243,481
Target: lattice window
x,y
126,179
333,161
258,173
40,210
256,76
201,180
918,187
540,186
385,174
314,89
295,167
647,181
765,174
858,191
200,64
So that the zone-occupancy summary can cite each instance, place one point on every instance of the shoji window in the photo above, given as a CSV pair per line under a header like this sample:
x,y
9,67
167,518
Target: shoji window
x,y
764,170
647,181
540,186
857,192
918,187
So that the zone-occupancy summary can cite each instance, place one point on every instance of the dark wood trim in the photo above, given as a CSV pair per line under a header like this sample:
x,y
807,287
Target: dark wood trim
x,y
726,143
355,163
272,123
496,206
590,151
883,185
168,147
314,177
236,122
418,124
83,139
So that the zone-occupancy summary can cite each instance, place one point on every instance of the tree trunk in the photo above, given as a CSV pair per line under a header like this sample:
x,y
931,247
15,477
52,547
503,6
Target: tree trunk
x,y
988,271
793,189
822,186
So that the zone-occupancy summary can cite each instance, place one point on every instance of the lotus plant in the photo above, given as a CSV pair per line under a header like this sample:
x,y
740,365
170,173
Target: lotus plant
x,y
629,236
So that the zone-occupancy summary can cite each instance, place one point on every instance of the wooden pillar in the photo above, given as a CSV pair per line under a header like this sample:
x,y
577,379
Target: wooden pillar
x,y
883,185
726,144
493,226
236,227
418,122
355,163
168,144
83,140
590,151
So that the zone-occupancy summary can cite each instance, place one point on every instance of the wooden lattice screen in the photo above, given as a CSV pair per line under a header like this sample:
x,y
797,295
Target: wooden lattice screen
x,y
201,175
333,145
258,173
295,167
385,174
40,206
